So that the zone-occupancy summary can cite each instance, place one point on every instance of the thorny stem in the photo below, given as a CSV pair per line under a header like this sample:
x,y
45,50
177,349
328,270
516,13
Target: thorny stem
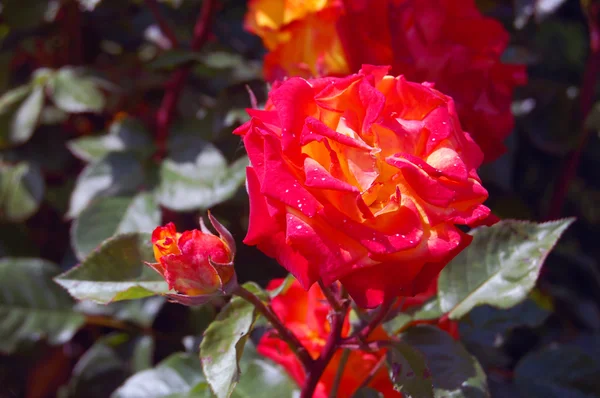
x,y
165,113
284,333
588,88
330,296
315,372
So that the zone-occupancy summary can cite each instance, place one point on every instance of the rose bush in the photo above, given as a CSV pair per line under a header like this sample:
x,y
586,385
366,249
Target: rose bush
x,y
362,180
194,263
306,315
447,42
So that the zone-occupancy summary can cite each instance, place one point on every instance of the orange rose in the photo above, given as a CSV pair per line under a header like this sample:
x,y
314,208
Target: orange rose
x,y
195,263
447,42
301,36
362,180
305,314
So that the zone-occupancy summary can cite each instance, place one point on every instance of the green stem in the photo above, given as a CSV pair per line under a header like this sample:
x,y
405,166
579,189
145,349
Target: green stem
x,y
284,333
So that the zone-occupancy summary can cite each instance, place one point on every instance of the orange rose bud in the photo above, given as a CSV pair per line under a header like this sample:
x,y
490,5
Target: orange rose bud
x,y
197,264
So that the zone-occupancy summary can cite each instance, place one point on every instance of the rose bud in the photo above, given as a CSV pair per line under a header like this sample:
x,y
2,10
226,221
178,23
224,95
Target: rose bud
x,y
196,264
361,179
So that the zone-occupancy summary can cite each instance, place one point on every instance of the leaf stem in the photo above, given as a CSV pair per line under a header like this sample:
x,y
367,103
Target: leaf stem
x,y
588,87
284,333
162,23
174,86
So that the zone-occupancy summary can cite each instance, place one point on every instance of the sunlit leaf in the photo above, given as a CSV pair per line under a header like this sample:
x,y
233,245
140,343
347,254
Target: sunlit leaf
x,y
115,271
21,190
114,174
223,345
500,266
113,215
75,93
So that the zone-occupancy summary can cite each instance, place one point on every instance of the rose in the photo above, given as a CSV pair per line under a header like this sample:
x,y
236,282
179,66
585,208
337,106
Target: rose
x,y
305,315
361,179
195,263
447,42
301,36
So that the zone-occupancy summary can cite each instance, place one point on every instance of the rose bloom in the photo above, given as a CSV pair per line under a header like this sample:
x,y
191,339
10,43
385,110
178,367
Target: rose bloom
x,y
305,315
447,42
361,179
194,263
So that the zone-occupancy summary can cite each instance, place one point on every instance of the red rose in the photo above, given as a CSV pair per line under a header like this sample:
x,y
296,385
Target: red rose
x,y
194,263
362,180
305,314
447,42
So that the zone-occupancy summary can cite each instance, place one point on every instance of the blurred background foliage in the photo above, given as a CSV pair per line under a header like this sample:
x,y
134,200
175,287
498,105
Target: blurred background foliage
x,y
85,155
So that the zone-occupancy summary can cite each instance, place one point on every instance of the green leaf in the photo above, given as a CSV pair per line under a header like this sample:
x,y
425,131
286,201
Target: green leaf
x,y
430,310
557,372
20,111
141,312
223,345
287,282
173,58
27,116
75,93
141,358
115,174
113,215
262,378
175,376
115,271
500,267
32,306
21,190
455,372
196,176
123,135
409,371
100,370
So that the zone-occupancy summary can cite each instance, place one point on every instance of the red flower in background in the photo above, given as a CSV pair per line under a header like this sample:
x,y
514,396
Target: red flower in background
x,y
447,42
362,180
305,314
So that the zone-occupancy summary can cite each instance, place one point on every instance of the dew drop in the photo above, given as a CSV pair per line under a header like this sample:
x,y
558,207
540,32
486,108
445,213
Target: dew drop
x,y
323,179
287,190
433,139
300,206
345,221
412,241
299,227
403,236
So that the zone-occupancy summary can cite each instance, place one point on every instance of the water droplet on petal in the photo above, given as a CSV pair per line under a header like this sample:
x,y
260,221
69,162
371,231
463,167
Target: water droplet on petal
x,y
299,227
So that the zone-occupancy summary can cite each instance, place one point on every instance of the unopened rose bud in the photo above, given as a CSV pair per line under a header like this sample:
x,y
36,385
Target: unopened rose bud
x,y
197,264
